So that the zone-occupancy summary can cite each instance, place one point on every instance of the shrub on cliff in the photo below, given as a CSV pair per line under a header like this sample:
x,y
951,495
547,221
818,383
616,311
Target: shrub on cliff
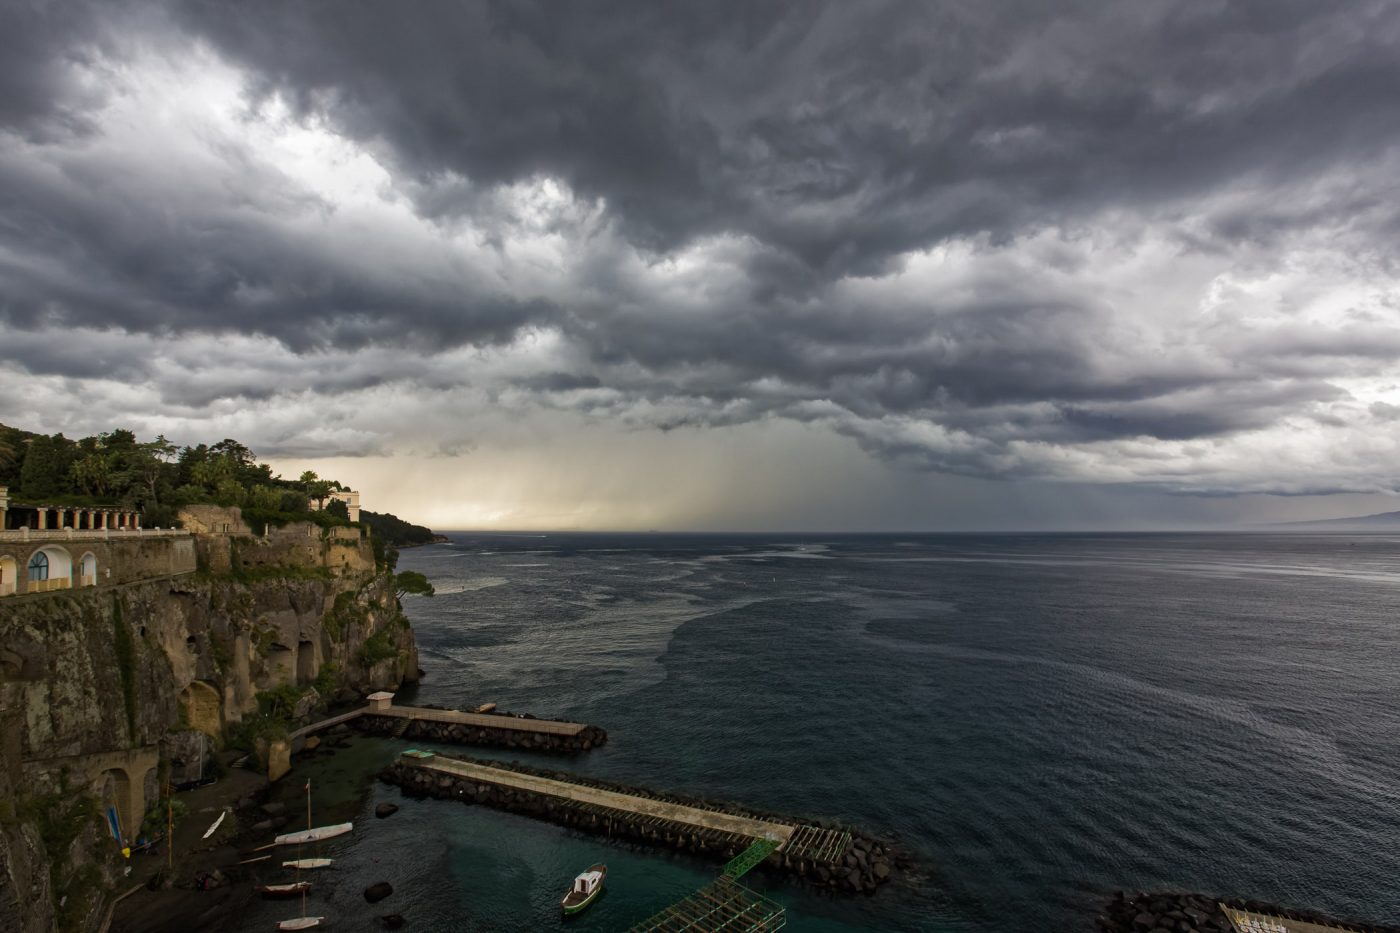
x,y
377,648
412,583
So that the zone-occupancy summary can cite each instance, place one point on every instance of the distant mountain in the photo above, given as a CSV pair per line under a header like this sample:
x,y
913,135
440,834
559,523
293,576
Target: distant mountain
x,y
1381,521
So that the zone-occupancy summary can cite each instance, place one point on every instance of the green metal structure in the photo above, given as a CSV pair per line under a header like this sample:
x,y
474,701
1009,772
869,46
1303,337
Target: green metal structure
x,y
741,864
723,905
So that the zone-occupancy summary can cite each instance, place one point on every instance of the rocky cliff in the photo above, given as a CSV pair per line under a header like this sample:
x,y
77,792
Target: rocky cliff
x,y
109,693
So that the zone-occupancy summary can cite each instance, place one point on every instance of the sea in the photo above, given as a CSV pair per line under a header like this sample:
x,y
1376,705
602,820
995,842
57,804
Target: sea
x,y
1039,720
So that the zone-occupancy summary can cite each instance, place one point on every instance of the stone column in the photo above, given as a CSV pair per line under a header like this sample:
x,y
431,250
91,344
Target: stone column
x,y
103,519
136,519
43,519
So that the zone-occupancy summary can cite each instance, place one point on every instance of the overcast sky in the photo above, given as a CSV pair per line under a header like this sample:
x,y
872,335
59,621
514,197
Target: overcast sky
x,y
731,264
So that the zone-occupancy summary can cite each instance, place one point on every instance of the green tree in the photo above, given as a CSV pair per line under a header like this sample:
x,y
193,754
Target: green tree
x,y
93,473
412,583
150,461
338,509
317,490
44,472
212,471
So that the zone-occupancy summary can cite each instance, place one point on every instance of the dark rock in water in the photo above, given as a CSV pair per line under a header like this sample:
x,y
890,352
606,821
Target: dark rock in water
x,y
392,921
386,809
262,827
274,808
378,891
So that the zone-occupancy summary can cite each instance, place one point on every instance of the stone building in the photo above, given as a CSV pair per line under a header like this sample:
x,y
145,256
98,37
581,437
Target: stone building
x,y
349,497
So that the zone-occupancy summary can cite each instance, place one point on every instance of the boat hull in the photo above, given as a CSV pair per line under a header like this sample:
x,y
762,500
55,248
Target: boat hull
x,y
582,905
299,923
313,835
283,890
571,906
303,864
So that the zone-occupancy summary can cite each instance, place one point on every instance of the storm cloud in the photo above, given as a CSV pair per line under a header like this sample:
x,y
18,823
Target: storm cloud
x,y
1143,245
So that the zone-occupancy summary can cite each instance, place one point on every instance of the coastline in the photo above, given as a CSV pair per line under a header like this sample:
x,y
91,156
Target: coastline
x,y
437,539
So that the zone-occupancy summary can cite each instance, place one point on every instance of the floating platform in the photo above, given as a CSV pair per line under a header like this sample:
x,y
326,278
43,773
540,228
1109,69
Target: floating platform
x,y
724,905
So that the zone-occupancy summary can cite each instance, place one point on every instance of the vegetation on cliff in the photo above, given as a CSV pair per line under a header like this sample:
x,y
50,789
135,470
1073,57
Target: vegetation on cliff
x,y
159,478
395,530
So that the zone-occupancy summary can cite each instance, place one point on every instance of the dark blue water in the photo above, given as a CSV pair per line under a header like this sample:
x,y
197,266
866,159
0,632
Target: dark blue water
x,y
1041,719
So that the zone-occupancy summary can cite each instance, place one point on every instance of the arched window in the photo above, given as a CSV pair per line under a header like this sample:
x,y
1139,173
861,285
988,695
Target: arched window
x,y
39,566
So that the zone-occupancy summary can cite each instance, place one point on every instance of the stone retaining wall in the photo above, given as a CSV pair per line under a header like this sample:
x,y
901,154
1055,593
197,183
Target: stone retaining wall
x,y
427,730
862,868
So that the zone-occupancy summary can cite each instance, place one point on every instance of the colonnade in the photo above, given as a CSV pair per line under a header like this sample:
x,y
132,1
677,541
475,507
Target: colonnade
x,y
88,519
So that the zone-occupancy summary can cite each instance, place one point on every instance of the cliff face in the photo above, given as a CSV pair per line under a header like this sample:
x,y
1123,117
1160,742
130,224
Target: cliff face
x,y
107,692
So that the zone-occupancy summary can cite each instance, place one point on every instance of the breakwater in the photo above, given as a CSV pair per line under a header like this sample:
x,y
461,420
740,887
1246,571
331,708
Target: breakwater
x,y
828,856
1142,912
495,730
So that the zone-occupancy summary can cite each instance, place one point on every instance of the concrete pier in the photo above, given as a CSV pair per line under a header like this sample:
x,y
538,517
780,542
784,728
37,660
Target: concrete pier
x,y
639,806
499,730
831,857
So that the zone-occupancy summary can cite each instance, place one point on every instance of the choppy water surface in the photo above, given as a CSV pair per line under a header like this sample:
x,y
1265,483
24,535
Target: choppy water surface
x,y
1041,718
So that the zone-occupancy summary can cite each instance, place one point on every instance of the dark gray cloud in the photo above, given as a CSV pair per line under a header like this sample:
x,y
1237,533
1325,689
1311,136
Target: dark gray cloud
x,y
1143,243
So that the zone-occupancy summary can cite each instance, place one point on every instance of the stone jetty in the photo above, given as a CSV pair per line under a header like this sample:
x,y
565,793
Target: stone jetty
x,y
828,856
521,731
1176,912
494,730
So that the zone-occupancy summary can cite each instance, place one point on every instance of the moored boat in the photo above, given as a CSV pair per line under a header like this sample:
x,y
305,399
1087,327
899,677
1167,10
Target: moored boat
x,y
313,835
302,864
290,889
310,834
587,887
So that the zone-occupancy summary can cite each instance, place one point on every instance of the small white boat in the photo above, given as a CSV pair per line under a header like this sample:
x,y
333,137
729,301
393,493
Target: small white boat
x,y
313,835
301,864
282,890
210,831
299,923
587,887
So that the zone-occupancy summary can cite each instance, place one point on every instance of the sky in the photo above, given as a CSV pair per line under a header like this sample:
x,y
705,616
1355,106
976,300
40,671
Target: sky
x,y
725,265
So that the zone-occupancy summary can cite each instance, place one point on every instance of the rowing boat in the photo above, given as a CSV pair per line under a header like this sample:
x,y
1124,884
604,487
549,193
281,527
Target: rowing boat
x,y
282,890
313,835
301,864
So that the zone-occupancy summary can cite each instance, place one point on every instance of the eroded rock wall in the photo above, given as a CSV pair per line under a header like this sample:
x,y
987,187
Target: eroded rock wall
x,y
106,681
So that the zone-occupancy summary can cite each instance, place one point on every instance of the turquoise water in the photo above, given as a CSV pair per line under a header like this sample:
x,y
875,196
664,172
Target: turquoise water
x,y
1040,719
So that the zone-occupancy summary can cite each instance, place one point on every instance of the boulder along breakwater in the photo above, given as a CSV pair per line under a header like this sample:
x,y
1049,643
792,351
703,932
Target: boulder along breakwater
x,y
826,855
1178,912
